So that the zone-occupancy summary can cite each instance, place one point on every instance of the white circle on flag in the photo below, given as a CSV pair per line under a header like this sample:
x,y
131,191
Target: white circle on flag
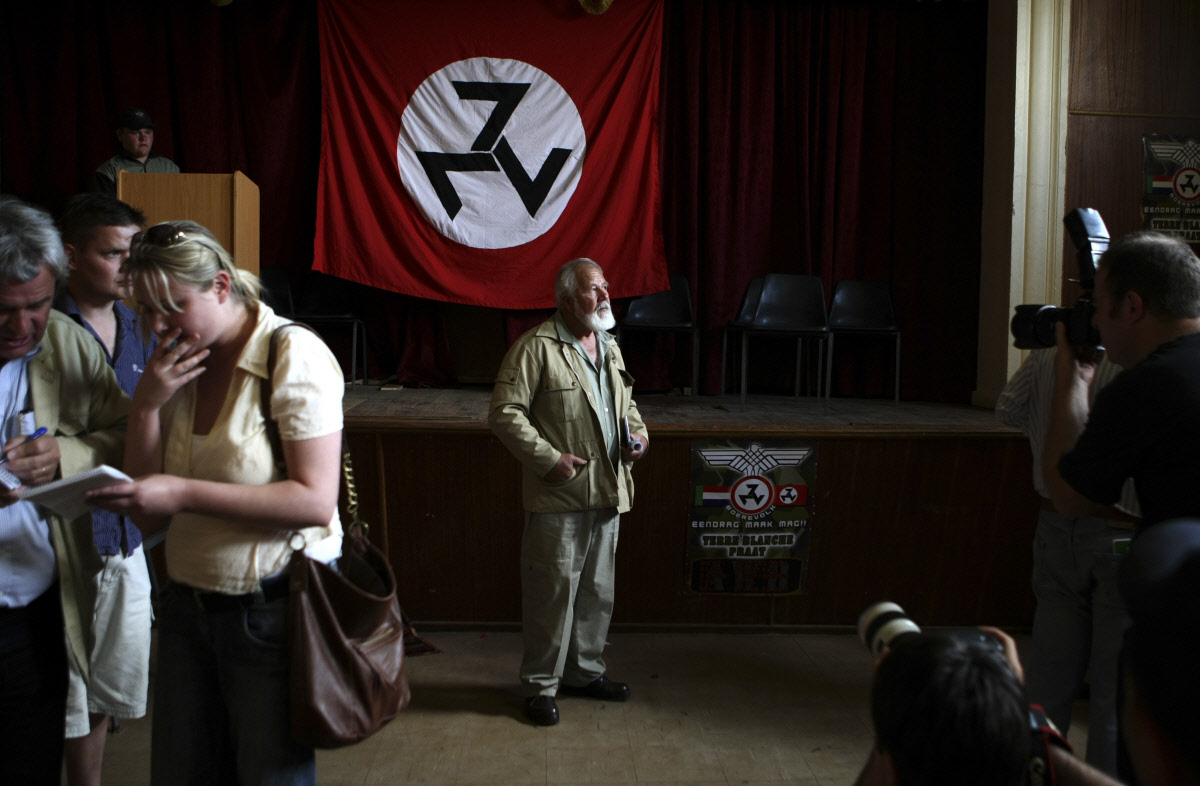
x,y
496,168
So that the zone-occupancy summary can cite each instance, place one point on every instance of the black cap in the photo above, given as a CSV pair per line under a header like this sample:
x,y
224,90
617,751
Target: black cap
x,y
134,118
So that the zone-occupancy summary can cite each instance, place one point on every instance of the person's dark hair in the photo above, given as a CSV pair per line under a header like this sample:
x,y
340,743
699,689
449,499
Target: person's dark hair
x,y
1160,581
950,712
1162,269
85,213
28,240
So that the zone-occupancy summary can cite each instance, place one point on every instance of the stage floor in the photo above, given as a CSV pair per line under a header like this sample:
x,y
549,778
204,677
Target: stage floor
x,y
371,408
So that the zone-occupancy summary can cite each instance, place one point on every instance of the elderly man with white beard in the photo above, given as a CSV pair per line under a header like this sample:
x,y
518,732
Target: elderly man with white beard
x,y
563,406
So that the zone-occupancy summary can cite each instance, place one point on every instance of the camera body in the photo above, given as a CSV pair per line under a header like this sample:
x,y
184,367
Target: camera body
x,y
1033,326
883,625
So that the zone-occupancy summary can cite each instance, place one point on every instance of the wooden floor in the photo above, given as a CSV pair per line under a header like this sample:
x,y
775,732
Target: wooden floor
x,y
369,407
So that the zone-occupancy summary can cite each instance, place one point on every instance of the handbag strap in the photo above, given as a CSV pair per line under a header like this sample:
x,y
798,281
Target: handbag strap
x,y
272,428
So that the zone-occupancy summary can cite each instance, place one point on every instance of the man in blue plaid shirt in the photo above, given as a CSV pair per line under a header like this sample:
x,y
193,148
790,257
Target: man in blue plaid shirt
x,y
98,233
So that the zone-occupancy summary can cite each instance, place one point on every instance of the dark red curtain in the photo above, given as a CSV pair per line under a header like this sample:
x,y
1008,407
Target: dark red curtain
x,y
842,139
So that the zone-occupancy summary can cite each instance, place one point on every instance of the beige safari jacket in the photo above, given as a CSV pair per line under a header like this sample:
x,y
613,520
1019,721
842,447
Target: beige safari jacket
x,y
76,396
541,408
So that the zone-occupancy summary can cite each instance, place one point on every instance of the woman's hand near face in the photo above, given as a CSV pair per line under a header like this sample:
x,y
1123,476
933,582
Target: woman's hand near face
x,y
173,364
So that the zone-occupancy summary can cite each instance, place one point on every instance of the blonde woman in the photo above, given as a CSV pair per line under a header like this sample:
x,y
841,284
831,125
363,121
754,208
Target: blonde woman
x,y
203,465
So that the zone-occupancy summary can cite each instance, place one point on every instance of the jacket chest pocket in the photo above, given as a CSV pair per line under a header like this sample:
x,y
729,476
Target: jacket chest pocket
x,y
560,399
73,419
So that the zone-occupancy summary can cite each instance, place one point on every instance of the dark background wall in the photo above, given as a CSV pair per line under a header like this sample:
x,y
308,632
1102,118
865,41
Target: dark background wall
x,y
838,138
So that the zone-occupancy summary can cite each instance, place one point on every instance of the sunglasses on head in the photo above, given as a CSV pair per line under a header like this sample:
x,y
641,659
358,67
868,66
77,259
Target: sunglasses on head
x,y
162,236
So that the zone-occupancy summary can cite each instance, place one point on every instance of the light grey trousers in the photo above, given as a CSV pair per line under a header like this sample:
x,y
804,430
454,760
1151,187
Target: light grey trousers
x,y
568,561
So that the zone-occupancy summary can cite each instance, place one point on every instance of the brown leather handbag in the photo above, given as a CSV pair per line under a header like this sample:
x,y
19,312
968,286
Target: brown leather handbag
x,y
346,636
345,629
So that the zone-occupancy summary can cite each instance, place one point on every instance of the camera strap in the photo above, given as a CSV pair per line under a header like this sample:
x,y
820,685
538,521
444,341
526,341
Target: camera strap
x,y
1044,734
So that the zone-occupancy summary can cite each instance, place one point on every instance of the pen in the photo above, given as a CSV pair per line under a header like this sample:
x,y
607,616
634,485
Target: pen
x,y
39,433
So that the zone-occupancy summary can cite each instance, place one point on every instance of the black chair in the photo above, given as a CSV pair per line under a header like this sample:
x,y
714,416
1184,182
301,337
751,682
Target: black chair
x,y
666,312
791,305
277,292
744,318
862,307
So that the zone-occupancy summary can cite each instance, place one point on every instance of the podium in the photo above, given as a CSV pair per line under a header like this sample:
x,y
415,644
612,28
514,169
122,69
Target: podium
x,y
226,204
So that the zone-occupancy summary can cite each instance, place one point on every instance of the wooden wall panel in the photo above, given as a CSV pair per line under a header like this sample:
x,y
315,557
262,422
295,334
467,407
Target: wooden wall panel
x,y
1104,165
1135,56
1133,72
941,525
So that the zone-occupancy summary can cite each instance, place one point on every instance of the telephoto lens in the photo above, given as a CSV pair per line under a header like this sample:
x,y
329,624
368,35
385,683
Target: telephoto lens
x,y
881,624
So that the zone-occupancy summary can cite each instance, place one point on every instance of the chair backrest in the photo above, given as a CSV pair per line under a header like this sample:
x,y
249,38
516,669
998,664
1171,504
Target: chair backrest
x,y
791,302
750,298
672,308
861,304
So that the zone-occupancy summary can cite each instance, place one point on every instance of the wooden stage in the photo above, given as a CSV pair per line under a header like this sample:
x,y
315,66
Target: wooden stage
x,y
929,505
465,409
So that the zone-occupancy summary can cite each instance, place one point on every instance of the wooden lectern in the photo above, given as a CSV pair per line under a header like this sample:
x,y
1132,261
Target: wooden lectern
x,y
226,204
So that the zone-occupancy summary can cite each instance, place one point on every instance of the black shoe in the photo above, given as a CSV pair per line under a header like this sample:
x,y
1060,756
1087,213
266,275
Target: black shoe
x,y
600,688
542,710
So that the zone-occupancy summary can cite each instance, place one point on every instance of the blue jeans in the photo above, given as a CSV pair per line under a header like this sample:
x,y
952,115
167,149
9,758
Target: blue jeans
x,y
221,707
1078,626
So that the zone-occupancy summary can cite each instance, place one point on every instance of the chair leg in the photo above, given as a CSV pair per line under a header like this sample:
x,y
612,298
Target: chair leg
x,y
799,365
745,352
829,367
897,367
820,365
696,362
724,338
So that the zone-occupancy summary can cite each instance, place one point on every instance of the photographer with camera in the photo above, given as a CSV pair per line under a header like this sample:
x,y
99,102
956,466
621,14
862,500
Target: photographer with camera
x,y
1146,423
1080,617
947,711
949,707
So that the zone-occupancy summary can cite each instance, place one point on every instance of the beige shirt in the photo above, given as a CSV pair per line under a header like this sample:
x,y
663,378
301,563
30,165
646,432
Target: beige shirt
x,y
230,557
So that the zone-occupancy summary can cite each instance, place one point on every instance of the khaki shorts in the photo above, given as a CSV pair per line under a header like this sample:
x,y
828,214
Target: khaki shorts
x,y
119,646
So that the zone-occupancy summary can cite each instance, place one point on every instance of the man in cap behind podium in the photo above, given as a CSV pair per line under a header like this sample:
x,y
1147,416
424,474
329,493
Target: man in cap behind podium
x,y
135,133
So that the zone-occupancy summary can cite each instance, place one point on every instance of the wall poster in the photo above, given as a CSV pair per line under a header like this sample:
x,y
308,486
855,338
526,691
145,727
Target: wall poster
x,y
1171,200
751,514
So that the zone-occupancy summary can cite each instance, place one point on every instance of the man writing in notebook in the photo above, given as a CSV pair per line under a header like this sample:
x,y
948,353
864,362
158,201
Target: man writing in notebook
x,y
53,375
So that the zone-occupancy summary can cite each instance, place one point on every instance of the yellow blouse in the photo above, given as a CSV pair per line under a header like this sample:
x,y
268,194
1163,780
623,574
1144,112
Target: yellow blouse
x,y
230,557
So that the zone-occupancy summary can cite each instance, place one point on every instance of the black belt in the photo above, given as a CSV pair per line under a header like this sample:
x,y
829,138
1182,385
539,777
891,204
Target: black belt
x,y
270,589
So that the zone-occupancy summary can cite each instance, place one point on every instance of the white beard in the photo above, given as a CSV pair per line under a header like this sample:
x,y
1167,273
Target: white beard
x,y
601,319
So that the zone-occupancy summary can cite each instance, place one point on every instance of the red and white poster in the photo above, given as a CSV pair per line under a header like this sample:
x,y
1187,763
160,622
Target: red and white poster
x,y
470,148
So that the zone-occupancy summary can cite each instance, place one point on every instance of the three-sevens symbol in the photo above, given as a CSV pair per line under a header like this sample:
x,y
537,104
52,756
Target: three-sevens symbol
x,y
491,150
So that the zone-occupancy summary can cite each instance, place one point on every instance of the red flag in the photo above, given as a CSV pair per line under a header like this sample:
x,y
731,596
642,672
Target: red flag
x,y
469,149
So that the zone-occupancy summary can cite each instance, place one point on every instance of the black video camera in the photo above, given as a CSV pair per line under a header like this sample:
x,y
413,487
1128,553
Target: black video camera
x,y
1033,325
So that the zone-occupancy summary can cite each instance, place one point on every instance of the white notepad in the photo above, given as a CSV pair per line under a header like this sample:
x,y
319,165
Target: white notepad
x,y
65,497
